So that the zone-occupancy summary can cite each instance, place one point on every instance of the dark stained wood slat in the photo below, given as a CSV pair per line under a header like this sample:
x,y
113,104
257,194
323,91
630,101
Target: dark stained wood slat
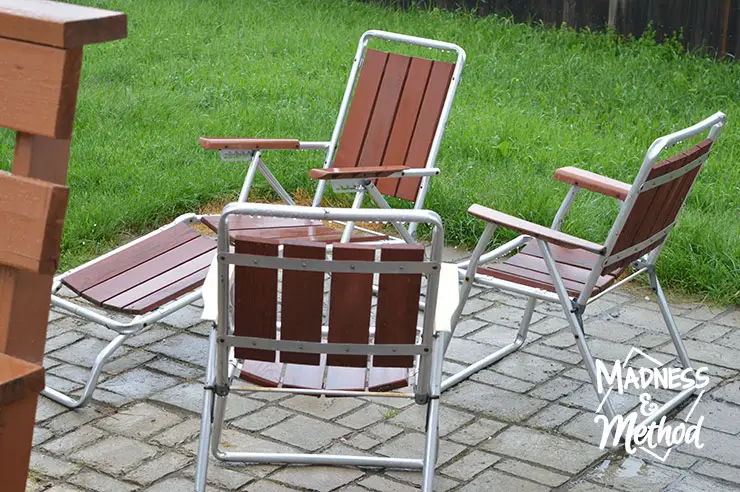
x,y
169,293
405,122
398,305
345,378
302,302
303,376
159,282
537,264
575,257
384,113
248,222
361,109
528,277
426,126
255,299
129,258
265,374
349,305
288,233
149,269
387,378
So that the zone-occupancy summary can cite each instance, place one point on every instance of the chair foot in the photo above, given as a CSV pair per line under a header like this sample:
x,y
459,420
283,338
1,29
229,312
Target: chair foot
x,y
92,381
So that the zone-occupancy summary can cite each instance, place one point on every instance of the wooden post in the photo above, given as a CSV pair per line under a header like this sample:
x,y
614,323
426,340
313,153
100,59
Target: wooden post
x,y
613,14
569,13
40,59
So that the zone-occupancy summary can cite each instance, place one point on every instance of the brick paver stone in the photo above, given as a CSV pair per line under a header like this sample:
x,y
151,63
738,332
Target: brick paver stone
x,y
138,383
115,454
319,478
493,402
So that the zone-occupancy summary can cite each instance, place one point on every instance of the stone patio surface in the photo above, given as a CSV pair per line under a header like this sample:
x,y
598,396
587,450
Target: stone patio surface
x,y
525,424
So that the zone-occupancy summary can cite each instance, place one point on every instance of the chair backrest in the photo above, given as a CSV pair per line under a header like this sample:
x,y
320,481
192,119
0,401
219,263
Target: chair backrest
x,y
281,290
657,195
398,112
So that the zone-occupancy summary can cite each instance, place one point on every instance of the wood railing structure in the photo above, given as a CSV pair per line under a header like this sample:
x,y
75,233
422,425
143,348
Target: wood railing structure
x,y
40,59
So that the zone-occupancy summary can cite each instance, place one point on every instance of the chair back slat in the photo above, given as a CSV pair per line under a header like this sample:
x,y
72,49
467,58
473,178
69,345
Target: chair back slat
x,y
350,302
657,207
394,116
398,305
302,302
255,299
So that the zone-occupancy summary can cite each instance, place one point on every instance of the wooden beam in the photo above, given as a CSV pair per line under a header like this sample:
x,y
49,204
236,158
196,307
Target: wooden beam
x,y
62,25
38,88
34,211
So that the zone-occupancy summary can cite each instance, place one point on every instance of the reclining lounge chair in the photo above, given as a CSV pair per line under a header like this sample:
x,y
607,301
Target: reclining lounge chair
x,y
277,339
385,142
552,266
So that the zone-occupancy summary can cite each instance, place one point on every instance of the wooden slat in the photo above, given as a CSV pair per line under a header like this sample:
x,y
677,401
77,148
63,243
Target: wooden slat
x,y
426,126
216,143
302,302
349,305
248,222
255,299
575,257
165,279
288,233
38,88
345,378
384,113
265,374
148,270
302,376
18,379
130,257
405,122
537,264
167,294
32,217
528,277
387,378
398,305
361,109
59,24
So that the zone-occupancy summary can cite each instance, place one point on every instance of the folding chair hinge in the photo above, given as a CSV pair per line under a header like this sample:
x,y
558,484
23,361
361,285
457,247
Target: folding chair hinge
x,y
236,155
219,389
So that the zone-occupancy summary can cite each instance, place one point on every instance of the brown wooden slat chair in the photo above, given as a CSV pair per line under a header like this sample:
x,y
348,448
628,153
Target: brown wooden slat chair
x,y
393,129
550,265
275,338
385,141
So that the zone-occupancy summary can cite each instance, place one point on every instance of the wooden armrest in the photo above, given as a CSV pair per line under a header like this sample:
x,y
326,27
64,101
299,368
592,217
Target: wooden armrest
x,y
534,230
18,379
592,181
356,172
211,143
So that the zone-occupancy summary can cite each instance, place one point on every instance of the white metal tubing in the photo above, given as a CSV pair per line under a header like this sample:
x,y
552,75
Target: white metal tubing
x,y
668,406
313,145
669,321
521,337
251,172
204,440
275,183
516,288
557,222
502,250
92,381
616,285
575,324
320,459
431,445
322,392
350,225
382,203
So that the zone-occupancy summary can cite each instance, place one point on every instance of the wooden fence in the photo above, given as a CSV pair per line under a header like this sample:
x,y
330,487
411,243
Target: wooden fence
x,y
713,25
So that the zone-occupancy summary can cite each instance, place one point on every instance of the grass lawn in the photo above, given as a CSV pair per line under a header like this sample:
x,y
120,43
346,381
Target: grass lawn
x,y
531,100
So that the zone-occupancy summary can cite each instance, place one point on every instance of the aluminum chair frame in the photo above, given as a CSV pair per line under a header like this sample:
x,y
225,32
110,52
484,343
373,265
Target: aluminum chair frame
x,y
574,308
361,186
221,366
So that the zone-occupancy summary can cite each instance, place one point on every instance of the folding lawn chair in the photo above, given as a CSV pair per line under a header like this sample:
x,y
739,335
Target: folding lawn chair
x,y
364,351
384,143
553,266
392,130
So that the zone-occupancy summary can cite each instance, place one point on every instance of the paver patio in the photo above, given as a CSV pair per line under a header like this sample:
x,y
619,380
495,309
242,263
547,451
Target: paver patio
x,y
526,424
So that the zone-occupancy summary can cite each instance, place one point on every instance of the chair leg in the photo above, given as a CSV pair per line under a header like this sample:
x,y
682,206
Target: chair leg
x,y
92,381
431,446
521,337
683,355
206,417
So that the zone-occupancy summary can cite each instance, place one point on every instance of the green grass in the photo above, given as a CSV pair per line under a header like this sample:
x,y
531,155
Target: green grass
x,y
532,99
